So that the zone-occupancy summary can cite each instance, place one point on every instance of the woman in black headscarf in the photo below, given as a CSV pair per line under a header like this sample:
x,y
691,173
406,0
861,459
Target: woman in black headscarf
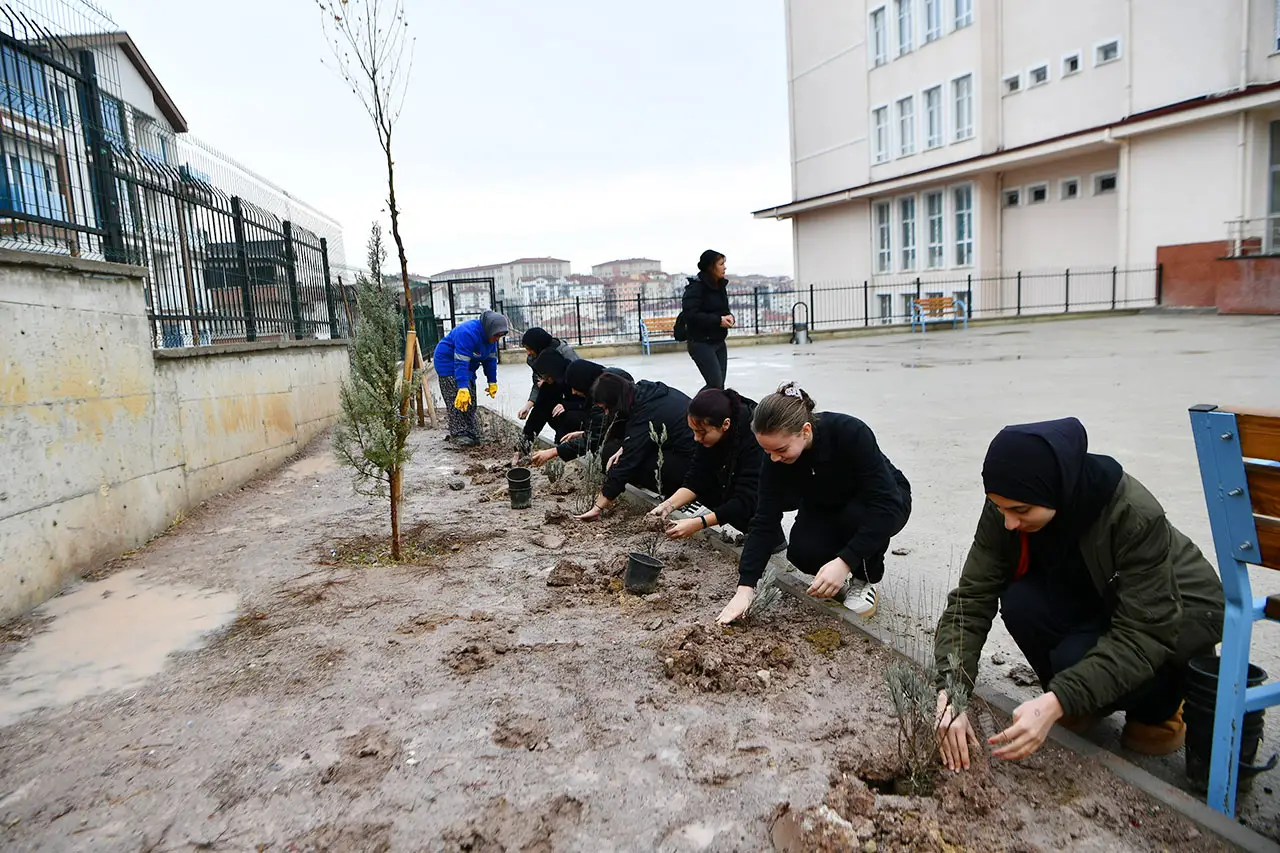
x,y
579,377
549,400
1106,598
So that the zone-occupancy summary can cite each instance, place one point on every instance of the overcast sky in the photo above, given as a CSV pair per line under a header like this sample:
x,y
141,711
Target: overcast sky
x,y
582,129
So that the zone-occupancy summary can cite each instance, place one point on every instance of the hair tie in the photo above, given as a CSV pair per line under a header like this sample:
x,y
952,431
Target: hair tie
x,y
793,391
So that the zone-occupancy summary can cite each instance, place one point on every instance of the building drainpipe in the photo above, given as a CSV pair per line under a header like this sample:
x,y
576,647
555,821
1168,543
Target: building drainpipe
x,y
1242,133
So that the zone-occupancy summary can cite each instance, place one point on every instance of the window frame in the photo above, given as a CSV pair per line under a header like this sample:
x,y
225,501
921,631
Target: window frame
x,y
879,36
957,240
1039,66
883,235
1078,57
908,253
881,155
1097,177
1062,188
904,18
910,118
941,218
941,138
1016,79
1010,197
955,111
1030,190
956,22
1098,46
932,33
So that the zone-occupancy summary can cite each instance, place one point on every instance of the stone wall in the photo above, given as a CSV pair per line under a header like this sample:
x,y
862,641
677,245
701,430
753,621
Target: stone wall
x,y
103,442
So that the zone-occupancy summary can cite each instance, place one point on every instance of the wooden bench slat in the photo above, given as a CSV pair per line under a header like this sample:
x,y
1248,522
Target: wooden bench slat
x,y
1264,488
1268,545
1259,435
1273,607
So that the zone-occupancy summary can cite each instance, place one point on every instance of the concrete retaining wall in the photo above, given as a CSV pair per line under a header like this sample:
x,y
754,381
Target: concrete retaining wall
x,y
103,443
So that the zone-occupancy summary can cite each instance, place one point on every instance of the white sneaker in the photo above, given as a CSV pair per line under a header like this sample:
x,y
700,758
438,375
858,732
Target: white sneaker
x,y
861,598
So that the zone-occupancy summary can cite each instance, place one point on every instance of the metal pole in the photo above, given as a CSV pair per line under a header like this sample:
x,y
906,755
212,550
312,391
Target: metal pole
x,y
755,300
101,164
813,321
1066,295
329,303
968,296
639,318
1019,293
866,303
242,264
493,295
1159,284
291,276
577,306
453,311
1113,288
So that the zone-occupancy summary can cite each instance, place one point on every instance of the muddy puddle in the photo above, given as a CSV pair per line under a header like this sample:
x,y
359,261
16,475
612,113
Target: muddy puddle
x,y
112,634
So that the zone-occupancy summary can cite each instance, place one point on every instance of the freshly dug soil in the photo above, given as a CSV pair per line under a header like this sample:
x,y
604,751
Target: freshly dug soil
x,y
493,695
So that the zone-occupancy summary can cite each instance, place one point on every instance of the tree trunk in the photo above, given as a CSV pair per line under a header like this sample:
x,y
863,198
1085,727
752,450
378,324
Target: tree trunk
x,y
395,514
395,227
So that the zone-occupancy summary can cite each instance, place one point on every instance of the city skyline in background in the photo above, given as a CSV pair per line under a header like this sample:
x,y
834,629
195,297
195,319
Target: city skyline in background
x,y
568,129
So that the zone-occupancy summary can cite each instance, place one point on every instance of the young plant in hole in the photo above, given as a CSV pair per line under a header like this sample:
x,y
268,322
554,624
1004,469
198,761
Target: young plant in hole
x,y
655,538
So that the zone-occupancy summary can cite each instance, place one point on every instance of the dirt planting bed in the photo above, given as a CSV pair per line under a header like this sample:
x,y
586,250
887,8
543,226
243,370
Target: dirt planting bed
x,y
502,691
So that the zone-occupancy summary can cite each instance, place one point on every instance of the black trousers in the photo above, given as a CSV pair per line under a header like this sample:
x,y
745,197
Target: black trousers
x,y
571,420
1054,639
817,536
712,361
674,467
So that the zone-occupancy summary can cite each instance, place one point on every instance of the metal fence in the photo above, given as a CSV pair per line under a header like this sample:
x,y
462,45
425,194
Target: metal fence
x,y
821,305
84,173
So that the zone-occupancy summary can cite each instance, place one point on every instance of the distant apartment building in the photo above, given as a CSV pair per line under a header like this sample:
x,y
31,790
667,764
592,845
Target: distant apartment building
x,y
953,140
626,268
506,276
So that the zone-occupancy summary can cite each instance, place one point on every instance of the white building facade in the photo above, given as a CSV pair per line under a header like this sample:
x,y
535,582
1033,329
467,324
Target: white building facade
x,y
959,142
506,277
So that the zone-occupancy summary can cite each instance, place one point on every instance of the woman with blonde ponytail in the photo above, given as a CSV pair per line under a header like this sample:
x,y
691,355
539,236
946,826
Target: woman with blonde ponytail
x,y
850,497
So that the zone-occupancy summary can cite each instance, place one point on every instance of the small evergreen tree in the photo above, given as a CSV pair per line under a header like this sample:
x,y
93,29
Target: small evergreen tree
x,y
371,434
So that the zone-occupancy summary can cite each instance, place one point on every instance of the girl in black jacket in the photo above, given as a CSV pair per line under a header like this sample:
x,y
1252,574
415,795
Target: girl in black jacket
x,y
637,406
850,498
705,310
726,466
550,401
580,376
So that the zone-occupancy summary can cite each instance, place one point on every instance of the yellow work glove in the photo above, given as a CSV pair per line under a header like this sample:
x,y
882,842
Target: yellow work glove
x,y
492,389
462,402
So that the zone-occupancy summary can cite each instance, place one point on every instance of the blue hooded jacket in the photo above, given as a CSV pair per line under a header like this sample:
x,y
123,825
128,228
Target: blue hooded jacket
x,y
465,348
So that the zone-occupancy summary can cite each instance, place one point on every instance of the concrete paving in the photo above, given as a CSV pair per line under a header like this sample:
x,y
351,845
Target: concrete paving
x,y
936,400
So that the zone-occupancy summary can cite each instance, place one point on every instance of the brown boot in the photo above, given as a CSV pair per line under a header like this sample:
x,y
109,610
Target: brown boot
x,y
1158,739
1079,724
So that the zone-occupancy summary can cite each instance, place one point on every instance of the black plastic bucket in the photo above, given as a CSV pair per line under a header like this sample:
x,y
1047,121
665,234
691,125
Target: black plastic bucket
x,y
1198,714
642,573
520,486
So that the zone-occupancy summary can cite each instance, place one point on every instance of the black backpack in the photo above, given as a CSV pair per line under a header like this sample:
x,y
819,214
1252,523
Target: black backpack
x,y
680,331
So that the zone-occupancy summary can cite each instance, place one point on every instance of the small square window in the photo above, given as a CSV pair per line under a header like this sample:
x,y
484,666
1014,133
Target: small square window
x,y
1037,194
1108,51
1069,189
1070,64
1012,198
1039,75
1012,83
1104,183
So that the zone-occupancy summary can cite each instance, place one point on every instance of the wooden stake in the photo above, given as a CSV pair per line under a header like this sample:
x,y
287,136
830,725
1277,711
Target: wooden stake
x,y
428,379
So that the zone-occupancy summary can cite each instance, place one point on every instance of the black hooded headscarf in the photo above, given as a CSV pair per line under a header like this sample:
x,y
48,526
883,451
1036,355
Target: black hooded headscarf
x,y
537,339
1049,464
552,364
582,374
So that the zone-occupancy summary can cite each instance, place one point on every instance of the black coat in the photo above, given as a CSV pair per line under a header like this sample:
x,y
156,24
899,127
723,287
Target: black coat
x,y
730,471
593,436
845,466
703,306
656,404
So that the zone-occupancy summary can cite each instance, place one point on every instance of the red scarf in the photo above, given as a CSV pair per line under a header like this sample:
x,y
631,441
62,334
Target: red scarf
x,y
1024,559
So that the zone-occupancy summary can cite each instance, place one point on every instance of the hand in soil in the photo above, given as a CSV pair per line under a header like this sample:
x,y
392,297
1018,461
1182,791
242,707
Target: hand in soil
x,y
737,605
955,735
1031,723
684,528
829,579
542,457
662,510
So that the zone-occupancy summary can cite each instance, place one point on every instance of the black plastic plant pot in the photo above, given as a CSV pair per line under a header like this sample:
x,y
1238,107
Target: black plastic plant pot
x,y
1199,712
642,573
520,487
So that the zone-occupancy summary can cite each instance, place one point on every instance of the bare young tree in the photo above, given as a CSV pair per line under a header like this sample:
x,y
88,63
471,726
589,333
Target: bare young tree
x,y
373,53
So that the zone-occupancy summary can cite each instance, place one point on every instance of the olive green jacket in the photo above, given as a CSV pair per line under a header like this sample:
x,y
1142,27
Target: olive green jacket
x,y
1163,596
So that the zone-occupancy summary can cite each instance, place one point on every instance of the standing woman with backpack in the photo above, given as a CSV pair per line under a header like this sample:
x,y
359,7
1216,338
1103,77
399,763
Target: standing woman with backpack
x,y
705,315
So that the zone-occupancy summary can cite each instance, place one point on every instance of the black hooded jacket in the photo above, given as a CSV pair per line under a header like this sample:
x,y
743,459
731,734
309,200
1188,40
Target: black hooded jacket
x,y
703,306
731,469
654,403
580,375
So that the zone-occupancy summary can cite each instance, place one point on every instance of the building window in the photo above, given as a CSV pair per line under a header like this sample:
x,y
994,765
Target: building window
x,y
908,303
1071,64
879,37
1107,51
886,307
1104,182
962,198
906,29
1069,188
964,13
961,297
1037,193
962,106
906,126
880,134
1038,76
933,210
884,237
1013,197
1012,84
31,186
932,20
933,117
907,214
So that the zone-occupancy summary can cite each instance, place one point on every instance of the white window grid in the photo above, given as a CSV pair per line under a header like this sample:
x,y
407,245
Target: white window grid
x,y
879,37
935,217
907,126
962,206
964,13
934,127
1037,75
906,26
907,218
1071,63
933,20
1037,193
1103,48
880,134
962,107
1069,189
884,236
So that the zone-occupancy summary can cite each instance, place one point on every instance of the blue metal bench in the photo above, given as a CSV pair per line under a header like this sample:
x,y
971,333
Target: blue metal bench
x,y
1239,467
938,309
